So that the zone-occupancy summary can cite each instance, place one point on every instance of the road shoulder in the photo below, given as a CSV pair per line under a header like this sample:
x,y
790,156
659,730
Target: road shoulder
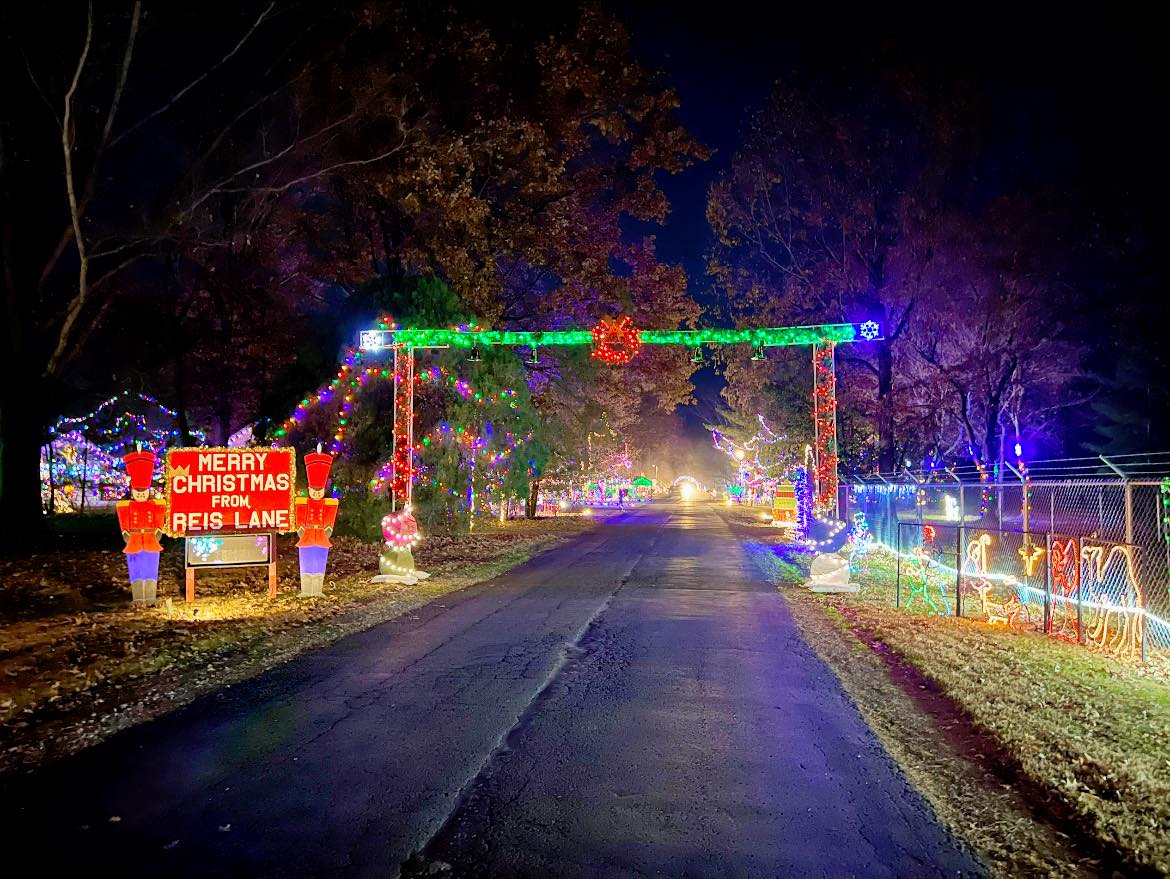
x,y
73,680
975,788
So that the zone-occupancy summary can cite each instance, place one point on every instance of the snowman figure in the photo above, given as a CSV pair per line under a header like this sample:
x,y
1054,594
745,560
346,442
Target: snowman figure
x,y
396,563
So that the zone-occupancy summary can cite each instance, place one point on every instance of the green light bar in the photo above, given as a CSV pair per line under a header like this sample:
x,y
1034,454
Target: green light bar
x,y
460,339
775,337
772,338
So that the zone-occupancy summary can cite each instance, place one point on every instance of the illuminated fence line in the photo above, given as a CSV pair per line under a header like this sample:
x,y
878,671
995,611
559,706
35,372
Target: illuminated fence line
x,y
1042,545
1155,623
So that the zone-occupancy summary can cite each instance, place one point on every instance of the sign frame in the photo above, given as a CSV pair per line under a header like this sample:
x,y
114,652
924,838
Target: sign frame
x,y
270,564
169,471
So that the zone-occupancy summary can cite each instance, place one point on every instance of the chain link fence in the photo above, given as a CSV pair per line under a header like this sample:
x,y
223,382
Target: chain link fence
x,y
1085,559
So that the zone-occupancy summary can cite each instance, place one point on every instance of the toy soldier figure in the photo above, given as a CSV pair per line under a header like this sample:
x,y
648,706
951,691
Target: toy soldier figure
x,y
141,519
315,517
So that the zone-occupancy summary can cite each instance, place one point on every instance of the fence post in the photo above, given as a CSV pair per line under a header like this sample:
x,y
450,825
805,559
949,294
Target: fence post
x,y
898,557
1080,627
1128,489
959,571
1048,584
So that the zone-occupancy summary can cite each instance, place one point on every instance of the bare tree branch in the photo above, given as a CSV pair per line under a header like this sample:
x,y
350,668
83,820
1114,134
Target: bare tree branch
x,y
91,181
67,143
177,96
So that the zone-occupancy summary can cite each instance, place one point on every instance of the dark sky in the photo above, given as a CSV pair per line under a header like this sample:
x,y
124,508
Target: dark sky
x,y
1075,102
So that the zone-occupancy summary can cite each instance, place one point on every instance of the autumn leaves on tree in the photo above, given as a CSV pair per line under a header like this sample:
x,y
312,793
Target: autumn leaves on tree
x,y
289,155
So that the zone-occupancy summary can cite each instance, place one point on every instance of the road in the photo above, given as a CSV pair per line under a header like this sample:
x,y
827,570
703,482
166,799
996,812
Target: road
x,y
635,702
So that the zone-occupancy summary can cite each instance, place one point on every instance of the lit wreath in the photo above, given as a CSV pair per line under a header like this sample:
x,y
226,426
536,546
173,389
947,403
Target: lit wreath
x,y
615,341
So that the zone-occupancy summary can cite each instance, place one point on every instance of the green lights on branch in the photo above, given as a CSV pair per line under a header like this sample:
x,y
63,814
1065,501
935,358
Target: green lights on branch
x,y
769,337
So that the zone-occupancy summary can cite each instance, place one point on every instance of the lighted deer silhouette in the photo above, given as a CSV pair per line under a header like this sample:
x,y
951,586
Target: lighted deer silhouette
x,y
1117,599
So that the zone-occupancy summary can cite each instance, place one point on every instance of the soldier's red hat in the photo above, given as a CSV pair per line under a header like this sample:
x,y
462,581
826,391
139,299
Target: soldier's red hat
x,y
317,465
140,468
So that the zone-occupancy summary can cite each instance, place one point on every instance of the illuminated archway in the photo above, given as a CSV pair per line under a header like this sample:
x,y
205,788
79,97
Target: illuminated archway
x,y
617,342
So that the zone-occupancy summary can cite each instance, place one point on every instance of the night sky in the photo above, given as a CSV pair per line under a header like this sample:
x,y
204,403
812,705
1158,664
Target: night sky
x,y
1075,103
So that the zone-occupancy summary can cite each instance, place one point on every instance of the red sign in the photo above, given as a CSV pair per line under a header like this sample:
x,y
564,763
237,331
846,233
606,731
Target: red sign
x,y
229,490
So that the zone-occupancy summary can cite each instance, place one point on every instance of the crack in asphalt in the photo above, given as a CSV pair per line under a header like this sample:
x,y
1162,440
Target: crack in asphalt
x,y
571,652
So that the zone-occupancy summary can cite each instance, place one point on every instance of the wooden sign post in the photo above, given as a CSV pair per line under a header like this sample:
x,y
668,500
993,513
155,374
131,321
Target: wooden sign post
x,y
230,551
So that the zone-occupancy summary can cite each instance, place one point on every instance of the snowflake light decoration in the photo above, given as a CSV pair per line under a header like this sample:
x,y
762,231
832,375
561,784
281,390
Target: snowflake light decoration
x,y
870,330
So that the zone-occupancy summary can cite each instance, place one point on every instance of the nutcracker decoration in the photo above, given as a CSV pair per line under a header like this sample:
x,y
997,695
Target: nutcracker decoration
x,y
315,517
141,519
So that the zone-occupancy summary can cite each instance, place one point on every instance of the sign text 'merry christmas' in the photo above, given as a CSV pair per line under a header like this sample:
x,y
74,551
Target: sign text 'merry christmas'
x,y
233,490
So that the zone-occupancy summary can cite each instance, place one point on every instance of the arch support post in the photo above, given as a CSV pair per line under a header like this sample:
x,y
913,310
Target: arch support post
x,y
824,406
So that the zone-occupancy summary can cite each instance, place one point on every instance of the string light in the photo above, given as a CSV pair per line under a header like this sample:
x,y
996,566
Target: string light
x,y
835,527
1165,497
860,542
400,531
127,428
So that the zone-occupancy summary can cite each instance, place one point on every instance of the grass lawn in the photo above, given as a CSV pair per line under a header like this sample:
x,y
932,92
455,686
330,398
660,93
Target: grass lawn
x,y
1091,732
78,662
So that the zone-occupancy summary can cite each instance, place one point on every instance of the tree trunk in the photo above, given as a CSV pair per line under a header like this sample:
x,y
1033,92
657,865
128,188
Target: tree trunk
x,y
184,424
533,497
887,453
223,421
991,443
20,459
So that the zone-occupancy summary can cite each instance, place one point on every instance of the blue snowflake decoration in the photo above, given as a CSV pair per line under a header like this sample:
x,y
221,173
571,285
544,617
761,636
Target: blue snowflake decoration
x,y
870,330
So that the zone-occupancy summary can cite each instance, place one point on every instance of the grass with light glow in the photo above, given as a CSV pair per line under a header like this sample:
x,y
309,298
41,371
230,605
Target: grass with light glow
x,y
1091,729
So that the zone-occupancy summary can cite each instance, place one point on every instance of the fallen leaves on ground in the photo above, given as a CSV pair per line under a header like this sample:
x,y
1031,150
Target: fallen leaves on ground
x,y
77,661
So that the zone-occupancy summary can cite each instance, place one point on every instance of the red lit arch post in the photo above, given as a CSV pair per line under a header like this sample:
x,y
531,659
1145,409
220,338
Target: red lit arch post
x,y
617,341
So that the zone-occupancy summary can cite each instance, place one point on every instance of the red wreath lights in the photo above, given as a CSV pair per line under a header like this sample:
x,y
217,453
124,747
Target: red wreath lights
x,y
615,341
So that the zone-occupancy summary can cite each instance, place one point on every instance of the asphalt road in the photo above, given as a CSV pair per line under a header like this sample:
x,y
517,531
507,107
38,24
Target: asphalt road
x,y
637,702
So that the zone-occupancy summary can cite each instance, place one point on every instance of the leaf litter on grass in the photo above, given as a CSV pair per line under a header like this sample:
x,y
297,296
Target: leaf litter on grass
x,y
68,679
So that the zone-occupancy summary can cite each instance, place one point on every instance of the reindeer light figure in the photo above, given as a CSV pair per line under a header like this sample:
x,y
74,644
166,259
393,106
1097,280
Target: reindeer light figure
x,y
1119,614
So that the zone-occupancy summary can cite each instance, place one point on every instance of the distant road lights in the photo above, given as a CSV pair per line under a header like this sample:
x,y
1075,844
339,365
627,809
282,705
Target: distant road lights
x,y
687,491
